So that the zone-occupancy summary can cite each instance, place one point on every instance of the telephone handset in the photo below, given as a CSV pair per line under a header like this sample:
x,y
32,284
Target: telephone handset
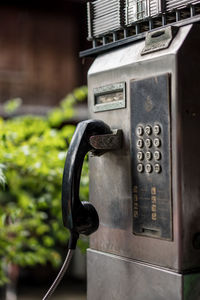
x,y
81,217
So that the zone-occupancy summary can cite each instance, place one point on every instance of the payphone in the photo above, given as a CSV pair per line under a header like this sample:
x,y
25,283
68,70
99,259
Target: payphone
x,y
146,192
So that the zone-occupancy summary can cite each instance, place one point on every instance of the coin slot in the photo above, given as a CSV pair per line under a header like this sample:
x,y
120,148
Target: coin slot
x,y
157,34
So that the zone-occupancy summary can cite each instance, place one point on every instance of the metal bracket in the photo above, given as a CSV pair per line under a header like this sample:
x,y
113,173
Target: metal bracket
x,y
159,39
106,142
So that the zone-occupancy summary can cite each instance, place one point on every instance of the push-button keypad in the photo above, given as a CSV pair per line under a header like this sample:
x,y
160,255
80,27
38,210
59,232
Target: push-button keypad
x,y
152,212
149,145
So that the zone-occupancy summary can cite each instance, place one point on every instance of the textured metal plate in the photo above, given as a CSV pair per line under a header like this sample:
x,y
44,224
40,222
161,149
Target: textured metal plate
x,y
151,161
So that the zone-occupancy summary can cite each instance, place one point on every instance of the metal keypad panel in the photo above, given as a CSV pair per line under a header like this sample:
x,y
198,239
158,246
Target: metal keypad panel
x,y
149,144
151,158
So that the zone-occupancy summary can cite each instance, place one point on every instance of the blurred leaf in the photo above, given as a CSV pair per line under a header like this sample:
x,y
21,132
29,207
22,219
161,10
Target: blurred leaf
x,y
32,156
12,105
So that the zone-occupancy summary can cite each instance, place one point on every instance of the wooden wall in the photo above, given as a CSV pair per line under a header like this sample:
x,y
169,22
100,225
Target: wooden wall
x,y
39,48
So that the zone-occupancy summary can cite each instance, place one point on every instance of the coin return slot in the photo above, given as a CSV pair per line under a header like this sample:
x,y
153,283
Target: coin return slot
x,y
150,232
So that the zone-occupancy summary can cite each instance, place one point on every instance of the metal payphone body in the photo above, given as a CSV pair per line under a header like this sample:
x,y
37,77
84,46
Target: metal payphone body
x,y
147,193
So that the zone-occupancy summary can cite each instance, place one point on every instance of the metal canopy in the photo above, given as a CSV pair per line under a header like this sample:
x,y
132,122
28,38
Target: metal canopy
x,y
117,22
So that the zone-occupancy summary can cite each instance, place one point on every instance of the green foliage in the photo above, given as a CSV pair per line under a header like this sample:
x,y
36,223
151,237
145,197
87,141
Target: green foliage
x,y
12,105
32,153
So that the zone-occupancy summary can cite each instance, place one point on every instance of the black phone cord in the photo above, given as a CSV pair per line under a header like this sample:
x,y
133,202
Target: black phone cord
x,y
60,274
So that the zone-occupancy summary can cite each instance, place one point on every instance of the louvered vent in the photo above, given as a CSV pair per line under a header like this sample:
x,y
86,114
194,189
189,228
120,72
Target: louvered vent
x,y
107,16
178,4
136,10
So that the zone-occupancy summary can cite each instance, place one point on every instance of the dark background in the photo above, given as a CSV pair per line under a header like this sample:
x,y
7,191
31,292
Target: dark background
x,y
39,51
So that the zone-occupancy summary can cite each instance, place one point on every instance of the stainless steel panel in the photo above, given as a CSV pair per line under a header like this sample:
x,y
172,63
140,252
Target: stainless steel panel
x,y
112,277
110,175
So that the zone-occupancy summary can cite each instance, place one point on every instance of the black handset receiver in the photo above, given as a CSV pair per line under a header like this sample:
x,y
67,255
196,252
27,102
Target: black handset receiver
x,y
79,217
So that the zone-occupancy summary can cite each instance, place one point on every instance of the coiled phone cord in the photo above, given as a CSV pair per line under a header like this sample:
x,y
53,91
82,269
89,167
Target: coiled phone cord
x,y
60,274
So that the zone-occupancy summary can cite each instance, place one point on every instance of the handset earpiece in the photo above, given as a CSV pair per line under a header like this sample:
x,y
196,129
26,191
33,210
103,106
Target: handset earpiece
x,y
79,217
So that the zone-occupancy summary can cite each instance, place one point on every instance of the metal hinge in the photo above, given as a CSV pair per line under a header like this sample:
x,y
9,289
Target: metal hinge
x,y
106,142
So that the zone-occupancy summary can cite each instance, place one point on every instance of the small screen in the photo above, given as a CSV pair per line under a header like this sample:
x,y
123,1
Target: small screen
x,y
110,97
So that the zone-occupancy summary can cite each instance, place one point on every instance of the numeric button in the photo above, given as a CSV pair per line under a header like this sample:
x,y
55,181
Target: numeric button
x,y
148,155
157,168
140,143
140,168
157,155
148,130
140,155
139,130
148,168
157,142
156,129
148,143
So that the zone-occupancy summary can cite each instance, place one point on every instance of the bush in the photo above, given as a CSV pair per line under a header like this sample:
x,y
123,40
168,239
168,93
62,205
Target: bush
x,y
33,151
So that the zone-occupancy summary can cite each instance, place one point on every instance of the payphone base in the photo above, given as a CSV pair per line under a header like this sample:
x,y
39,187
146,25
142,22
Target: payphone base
x,y
112,277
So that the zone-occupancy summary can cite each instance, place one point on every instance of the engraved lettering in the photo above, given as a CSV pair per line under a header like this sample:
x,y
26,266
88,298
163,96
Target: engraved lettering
x,y
153,208
153,199
154,216
154,204
153,190
135,189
